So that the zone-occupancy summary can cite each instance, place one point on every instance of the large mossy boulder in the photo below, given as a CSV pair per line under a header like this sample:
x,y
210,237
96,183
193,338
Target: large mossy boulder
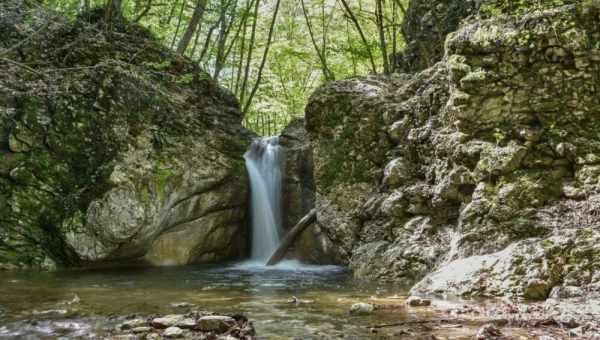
x,y
113,148
462,163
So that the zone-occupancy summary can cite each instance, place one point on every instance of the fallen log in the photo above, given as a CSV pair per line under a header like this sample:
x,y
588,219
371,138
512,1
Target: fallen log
x,y
291,236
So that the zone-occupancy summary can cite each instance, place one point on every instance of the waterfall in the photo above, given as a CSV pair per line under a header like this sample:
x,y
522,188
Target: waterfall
x,y
264,161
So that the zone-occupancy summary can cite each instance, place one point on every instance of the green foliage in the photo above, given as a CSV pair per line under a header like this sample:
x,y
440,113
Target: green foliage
x,y
293,68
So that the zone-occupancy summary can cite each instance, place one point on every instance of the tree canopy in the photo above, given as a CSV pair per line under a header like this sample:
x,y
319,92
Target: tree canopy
x,y
271,54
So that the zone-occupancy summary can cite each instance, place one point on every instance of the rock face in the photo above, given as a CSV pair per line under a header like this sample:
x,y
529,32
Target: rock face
x,y
480,170
113,148
425,26
312,245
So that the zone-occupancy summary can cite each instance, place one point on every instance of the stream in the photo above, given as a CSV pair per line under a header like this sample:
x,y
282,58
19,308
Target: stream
x,y
76,303
90,304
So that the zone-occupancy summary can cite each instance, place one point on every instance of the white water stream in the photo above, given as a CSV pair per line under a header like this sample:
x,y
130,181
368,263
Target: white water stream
x,y
264,161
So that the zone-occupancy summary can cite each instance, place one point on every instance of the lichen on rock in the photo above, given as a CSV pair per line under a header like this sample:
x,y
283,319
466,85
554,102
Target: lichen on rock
x,y
464,161
117,149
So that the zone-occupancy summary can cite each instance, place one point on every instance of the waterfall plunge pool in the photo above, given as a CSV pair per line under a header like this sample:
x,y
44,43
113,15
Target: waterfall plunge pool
x,y
43,305
90,304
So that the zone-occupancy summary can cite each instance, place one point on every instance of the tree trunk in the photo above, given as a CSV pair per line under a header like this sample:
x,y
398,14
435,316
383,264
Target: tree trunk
x,y
291,236
380,29
243,88
320,53
191,28
361,33
264,58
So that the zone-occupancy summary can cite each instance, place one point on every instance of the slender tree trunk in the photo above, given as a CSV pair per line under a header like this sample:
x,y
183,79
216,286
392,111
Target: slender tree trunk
x,y
264,58
207,42
224,31
291,236
320,53
242,49
196,40
243,89
84,6
144,11
113,9
191,28
361,33
380,29
184,2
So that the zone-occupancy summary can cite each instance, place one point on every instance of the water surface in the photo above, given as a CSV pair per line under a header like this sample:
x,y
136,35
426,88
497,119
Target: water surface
x,y
70,303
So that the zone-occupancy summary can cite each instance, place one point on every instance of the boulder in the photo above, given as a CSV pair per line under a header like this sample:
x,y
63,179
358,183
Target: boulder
x,y
147,169
478,174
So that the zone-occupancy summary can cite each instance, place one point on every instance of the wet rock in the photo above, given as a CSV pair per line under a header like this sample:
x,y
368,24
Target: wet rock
x,y
134,323
567,321
152,336
186,323
216,323
362,308
297,301
415,301
536,289
142,329
227,337
173,332
167,320
489,332
298,198
50,312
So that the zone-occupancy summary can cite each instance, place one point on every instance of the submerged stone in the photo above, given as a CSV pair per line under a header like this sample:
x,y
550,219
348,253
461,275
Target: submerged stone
x,y
216,323
167,320
362,308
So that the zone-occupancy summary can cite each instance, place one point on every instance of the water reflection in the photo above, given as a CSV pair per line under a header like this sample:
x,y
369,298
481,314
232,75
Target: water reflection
x,y
262,293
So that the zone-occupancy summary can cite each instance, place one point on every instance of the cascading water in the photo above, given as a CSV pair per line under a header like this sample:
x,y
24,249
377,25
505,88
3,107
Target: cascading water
x,y
264,161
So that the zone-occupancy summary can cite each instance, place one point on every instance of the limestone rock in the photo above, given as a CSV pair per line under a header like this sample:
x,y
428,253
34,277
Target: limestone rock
x,y
167,320
173,332
148,170
312,246
489,332
216,323
133,323
141,330
478,174
362,308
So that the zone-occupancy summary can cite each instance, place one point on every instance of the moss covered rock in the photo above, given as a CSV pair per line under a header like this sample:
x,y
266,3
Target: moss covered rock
x,y
113,148
460,161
